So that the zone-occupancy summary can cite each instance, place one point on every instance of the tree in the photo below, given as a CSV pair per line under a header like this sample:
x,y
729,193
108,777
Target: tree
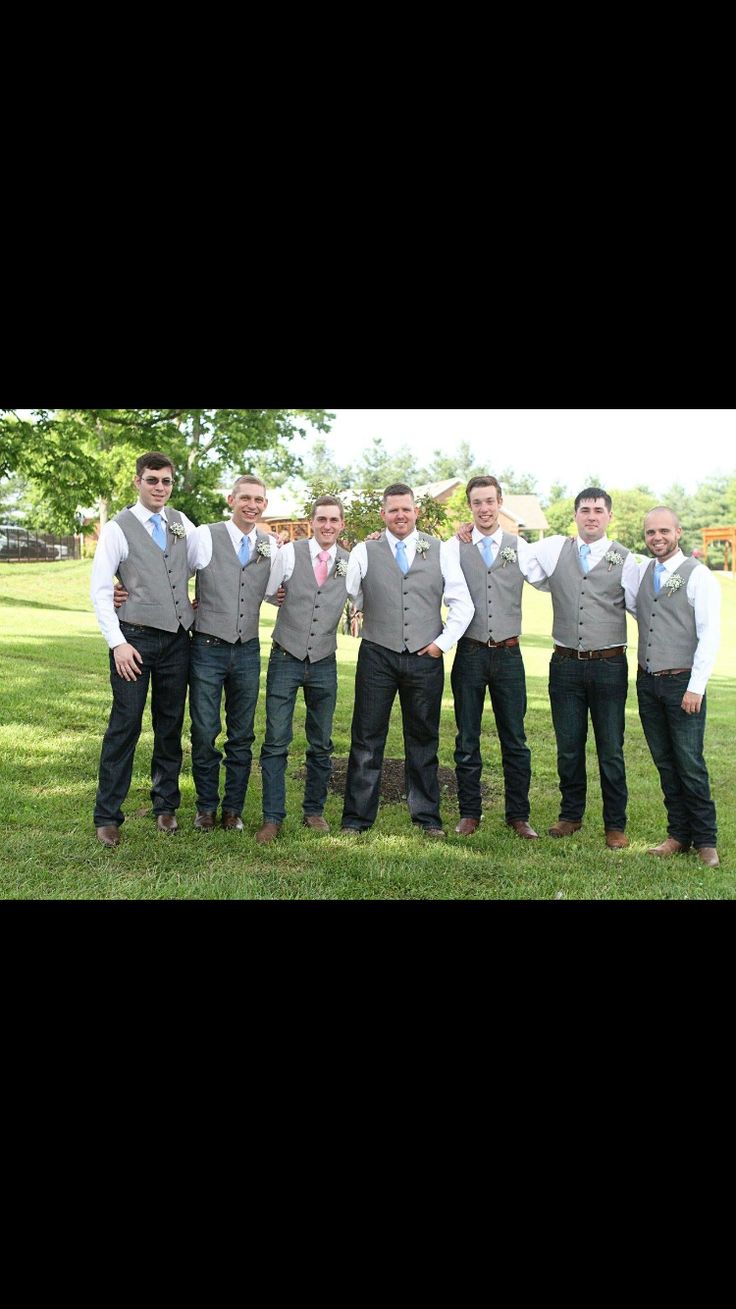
x,y
321,467
630,508
514,483
87,456
461,463
377,469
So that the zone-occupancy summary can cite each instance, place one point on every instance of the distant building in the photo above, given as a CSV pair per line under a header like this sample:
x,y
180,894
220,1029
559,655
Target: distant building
x,y
523,514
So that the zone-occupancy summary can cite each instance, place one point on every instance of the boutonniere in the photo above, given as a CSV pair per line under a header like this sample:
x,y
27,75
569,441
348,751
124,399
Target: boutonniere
x,y
341,568
263,550
674,583
508,555
613,558
422,547
177,530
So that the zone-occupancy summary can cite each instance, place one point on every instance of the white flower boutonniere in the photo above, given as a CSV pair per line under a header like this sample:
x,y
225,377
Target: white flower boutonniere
x,y
674,583
177,530
263,550
341,568
614,559
508,555
422,547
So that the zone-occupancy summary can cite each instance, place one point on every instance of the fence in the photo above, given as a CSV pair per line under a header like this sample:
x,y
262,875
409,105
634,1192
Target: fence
x,y
19,546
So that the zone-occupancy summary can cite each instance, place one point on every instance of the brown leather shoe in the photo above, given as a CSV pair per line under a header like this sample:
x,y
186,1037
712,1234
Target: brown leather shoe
x,y
268,833
205,821
617,840
231,822
109,835
563,828
523,828
467,826
668,847
435,833
316,821
166,823
708,855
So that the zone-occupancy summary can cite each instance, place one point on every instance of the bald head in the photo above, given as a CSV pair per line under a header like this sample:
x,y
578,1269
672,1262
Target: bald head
x,y
662,532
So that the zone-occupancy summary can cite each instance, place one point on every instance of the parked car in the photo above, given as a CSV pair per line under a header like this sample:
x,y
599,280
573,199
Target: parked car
x,y
16,542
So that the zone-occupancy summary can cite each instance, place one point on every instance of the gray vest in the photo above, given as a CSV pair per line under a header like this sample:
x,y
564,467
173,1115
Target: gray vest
x,y
155,579
230,595
308,618
402,612
589,611
495,592
668,637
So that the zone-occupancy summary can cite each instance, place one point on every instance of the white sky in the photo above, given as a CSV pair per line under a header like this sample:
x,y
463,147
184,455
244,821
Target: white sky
x,y
624,447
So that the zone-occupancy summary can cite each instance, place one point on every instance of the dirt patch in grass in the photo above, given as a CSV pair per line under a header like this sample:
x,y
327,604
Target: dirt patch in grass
x,y
393,788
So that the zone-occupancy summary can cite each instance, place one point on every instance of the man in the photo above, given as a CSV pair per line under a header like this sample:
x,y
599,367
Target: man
x,y
593,581
233,560
488,657
303,655
151,548
399,582
678,611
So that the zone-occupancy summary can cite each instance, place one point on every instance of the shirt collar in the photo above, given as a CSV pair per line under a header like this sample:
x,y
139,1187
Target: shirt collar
x,y
316,548
670,565
496,536
145,515
394,540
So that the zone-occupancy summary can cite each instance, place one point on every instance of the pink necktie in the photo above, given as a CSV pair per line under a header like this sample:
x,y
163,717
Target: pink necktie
x,y
320,567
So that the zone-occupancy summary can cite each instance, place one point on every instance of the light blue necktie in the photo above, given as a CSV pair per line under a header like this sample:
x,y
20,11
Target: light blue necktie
x,y
244,551
159,531
487,548
659,573
401,558
585,558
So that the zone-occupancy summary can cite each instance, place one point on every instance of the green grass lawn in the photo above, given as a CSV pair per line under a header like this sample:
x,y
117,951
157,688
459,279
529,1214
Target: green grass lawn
x,y
54,705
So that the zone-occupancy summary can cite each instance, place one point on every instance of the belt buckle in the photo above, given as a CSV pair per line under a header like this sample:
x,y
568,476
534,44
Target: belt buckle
x,y
582,655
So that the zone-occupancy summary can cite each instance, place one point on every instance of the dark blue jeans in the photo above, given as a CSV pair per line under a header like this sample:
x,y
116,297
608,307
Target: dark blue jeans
x,y
165,658
420,682
676,742
319,684
215,666
477,669
598,687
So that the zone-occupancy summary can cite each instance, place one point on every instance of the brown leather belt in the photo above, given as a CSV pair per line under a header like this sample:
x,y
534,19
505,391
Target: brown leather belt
x,y
665,672
492,645
590,654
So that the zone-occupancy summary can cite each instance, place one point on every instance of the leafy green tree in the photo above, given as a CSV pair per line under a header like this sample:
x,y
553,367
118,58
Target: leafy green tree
x,y
321,467
630,508
87,456
514,483
460,463
561,516
377,469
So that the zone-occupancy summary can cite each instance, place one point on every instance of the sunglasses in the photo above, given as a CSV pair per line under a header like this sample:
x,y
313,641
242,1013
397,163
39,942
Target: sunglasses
x,y
154,481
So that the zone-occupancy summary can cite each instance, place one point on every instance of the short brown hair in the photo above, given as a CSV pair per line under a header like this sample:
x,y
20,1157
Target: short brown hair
x,y
249,480
483,481
328,500
398,488
154,459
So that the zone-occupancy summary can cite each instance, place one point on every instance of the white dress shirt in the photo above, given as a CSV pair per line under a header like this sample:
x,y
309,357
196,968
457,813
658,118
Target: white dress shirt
x,y
282,566
524,551
460,607
546,556
704,595
203,548
111,552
